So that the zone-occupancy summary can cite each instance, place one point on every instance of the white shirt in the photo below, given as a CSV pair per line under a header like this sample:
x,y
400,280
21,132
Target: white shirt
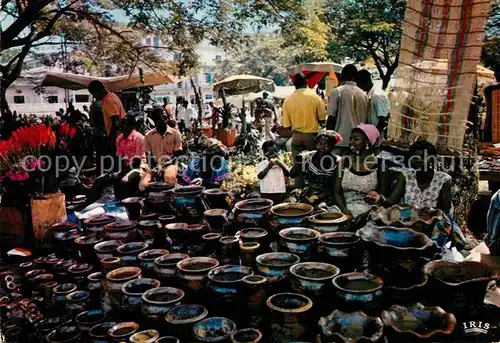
x,y
274,181
378,105
187,114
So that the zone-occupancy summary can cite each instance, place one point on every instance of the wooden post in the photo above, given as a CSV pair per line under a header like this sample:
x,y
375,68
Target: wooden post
x,y
198,101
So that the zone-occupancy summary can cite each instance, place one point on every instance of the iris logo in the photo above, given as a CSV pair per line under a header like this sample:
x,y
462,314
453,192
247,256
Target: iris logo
x,y
476,328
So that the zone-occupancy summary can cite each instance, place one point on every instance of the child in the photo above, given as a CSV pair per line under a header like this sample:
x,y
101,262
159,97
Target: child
x,y
272,174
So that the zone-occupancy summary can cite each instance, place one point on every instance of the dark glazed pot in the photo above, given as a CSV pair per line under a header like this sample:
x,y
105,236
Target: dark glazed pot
x,y
88,319
59,294
229,250
289,317
258,235
299,241
123,231
63,236
248,252
64,334
134,207
157,202
217,198
111,263
106,248
216,219
77,302
158,301
167,219
166,267
95,281
406,290
146,336
79,272
133,291
246,336
123,331
148,230
255,295
351,327
342,249
46,326
313,279
193,273
147,260
276,267
61,269
85,245
176,232
129,252
210,243
115,279
328,222
253,212
181,320
188,203
359,292
214,329
194,234
459,287
96,224
99,332
289,215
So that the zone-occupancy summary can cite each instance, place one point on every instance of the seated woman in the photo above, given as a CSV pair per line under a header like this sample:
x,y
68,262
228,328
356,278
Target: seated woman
x,y
424,187
318,168
360,173
209,169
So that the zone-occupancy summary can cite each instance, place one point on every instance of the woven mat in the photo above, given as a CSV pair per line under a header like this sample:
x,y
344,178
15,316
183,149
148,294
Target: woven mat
x,y
440,50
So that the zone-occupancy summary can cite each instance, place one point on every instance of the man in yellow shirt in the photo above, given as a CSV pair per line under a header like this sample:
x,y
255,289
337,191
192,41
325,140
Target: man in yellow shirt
x,y
303,113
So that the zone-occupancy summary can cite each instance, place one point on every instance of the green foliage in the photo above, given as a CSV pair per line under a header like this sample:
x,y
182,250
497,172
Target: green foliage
x,y
491,48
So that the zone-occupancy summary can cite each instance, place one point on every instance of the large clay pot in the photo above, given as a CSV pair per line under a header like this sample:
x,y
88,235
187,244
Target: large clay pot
x,y
257,235
115,280
46,326
133,291
214,329
216,219
99,332
147,260
111,263
359,292
148,229
193,274
342,249
61,269
134,207
328,222
157,202
85,245
289,215
253,212
166,267
276,268
255,295
299,241
106,248
229,250
59,294
350,327
63,236
188,203
129,252
210,243
97,224
88,319
181,320
459,287
122,332
216,198
158,301
313,279
124,231
95,281
194,234
79,272
289,317
176,233
77,302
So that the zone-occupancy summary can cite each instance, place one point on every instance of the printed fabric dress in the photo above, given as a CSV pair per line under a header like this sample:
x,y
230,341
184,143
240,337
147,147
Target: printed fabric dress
x,y
317,180
356,187
195,167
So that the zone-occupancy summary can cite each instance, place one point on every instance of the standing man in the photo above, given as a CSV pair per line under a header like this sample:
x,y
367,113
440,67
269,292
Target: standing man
x,y
169,108
269,104
112,111
163,142
378,102
347,109
186,115
303,113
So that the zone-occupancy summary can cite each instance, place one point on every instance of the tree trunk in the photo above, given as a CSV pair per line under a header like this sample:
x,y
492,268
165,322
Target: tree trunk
x,y
5,110
385,80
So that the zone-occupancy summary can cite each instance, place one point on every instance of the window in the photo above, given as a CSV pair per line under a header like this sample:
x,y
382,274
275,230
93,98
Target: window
x,y
208,78
148,41
52,99
208,97
156,43
82,98
177,56
19,99
218,58
180,85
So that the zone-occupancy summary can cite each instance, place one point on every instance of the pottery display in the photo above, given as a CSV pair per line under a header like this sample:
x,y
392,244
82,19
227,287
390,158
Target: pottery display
x,y
115,280
147,260
328,222
289,317
299,241
253,212
122,332
276,267
123,230
132,292
216,219
289,215
106,248
214,329
418,322
351,327
165,267
176,233
313,279
158,301
216,198
459,287
146,336
181,319
129,252
193,273
342,249
134,207
358,291
99,332
79,272
246,336
188,203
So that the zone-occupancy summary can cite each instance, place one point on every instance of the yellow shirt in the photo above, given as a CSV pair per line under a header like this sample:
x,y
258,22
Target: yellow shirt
x,y
111,106
303,111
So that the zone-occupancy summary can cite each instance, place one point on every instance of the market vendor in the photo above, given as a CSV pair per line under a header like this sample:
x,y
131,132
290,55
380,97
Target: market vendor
x,y
318,168
360,173
130,145
163,142
209,169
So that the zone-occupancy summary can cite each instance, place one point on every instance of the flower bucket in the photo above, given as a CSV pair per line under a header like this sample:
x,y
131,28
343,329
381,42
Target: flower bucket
x,y
45,213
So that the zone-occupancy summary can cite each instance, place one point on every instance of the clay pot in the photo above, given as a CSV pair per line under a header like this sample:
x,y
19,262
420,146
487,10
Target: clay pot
x,y
193,273
216,198
216,219
64,334
123,331
176,234
13,335
166,267
148,229
328,222
229,250
96,224
106,248
248,253
188,203
59,294
99,332
77,302
146,336
26,267
359,291
147,258
253,212
63,235
133,291
167,219
289,215
214,329
95,286
351,327
289,317
342,249
313,279
299,241
158,301
46,326
111,263
258,235
134,207
276,267
246,336
157,202
85,245
406,290
255,292
194,234
61,269
115,280
210,243
79,272
122,231
88,319
149,216
129,252
168,339
181,320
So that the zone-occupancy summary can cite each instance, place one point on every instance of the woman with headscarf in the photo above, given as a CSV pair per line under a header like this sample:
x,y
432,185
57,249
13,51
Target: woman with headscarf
x,y
318,168
360,173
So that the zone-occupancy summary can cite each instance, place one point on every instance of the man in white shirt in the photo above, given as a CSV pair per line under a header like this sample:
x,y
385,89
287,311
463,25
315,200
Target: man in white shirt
x,y
186,115
347,108
378,102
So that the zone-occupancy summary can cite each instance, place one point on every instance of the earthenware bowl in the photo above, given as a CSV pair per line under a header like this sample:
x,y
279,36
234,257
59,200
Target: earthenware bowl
x,y
299,241
358,291
123,331
246,336
225,286
313,279
147,260
342,249
459,287
132,293
134,207
106,248
276,266
88,319
253,212
129,252
158,301
418,321
123,230
99,332
166,267
193,272
328,222
290,317
214,329
181,319
64,334
146,336
289,215
351,327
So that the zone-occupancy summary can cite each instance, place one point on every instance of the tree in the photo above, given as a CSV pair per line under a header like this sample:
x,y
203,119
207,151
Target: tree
x,y
490,56
369,28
